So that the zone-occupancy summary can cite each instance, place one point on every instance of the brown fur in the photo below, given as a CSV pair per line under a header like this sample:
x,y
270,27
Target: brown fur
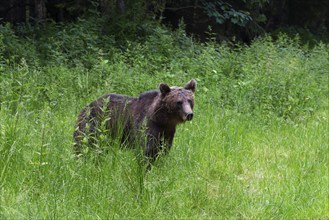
x,y
159,110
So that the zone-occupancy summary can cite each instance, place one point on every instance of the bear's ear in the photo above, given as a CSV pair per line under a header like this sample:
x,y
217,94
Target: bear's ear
x,y
191,85
164,88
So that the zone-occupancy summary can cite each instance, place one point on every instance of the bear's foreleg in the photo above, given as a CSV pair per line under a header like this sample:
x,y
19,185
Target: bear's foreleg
x,y
169,135
153,145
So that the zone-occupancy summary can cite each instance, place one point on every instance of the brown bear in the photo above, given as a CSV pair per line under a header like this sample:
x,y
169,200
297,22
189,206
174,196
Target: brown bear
x,y
153,115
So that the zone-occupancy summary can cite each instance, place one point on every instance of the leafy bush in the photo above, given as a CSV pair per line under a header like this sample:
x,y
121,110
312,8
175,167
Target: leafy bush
x,y
222,11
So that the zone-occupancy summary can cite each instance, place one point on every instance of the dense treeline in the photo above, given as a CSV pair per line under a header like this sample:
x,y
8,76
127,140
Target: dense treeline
x,y
239,19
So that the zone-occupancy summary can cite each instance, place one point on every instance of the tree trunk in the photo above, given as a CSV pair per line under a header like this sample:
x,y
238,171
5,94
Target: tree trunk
x,y
121,6
27,11
11,13
40,10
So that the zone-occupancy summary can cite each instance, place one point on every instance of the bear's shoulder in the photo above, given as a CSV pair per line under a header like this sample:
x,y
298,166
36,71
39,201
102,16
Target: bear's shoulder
x,y
148,95
115,98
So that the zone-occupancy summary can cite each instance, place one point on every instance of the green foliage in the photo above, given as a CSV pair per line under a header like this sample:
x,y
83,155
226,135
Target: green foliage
x,y
16,48
2,63
276,77
223,11
76,44
273,77
257,147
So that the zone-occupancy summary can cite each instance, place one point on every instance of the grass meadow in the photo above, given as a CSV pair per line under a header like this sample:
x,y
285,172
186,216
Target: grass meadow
x,y
257,147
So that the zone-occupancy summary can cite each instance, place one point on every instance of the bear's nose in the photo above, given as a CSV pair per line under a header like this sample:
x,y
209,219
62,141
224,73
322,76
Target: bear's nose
x,y
189,116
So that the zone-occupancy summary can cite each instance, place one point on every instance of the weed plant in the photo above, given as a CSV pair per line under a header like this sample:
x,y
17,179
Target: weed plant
x,y
257,148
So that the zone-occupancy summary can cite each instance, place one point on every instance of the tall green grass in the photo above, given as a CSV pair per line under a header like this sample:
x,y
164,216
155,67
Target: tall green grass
x,y
257,147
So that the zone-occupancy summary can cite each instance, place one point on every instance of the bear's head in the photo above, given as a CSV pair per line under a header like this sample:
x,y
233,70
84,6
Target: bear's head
x,y
178,101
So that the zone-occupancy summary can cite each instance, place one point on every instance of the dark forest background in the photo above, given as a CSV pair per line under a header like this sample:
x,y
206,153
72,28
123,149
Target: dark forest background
x,y
240,19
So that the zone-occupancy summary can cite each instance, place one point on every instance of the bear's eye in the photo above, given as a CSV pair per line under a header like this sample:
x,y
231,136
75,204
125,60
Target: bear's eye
x,y
179,103
190,102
